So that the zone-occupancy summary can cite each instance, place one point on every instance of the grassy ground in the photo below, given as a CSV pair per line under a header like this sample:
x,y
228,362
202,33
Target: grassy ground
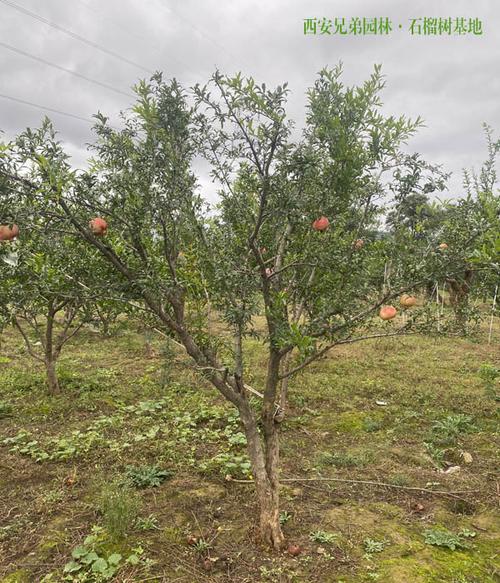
x,y
116,473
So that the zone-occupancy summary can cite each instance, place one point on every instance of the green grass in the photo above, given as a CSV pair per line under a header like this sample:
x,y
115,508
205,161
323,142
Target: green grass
x,y
399,411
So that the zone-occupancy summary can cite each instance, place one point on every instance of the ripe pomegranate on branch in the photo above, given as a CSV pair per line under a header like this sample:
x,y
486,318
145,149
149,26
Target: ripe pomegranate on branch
x,y
98,226
388,312
321,224
8,233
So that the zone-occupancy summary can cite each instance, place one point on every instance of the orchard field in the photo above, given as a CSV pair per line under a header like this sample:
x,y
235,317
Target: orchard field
x,y
296,380
133,452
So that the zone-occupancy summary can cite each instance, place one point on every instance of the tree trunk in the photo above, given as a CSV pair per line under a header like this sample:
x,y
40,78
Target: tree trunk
x,y
52,380
269,523
50,353
105,326
266,486
459,298
148,345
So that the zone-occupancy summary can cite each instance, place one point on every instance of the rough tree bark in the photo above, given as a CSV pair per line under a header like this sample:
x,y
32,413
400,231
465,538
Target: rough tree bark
x,y
459,297
52,380
264,454
459,289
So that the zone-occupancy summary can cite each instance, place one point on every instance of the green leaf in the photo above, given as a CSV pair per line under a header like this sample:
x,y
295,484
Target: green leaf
x,y
133,560
99,566
72,567
87,559
89,540
114,559
79,552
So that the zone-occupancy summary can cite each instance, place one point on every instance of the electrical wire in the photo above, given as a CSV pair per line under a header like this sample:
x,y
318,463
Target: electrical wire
x,y
134,34
200,31
46,108
75,73
74,35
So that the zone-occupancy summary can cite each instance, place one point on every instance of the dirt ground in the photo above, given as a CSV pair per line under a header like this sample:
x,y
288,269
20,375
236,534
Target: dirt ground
x,y
135,453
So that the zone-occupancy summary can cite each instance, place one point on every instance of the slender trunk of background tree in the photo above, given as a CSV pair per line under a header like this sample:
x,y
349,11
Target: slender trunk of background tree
x,y
52,380
105,326
148,343
459,298
50,355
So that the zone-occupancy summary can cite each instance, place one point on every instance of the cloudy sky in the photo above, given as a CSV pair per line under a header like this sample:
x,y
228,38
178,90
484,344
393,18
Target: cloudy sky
x,y
453,82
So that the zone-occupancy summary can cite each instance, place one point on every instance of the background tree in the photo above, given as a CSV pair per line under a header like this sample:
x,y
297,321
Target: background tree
x,y
484,190
46,273
257,251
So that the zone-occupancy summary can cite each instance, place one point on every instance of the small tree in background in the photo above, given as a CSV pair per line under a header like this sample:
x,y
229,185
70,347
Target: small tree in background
x,y
46,272
463,230
471,225
292,236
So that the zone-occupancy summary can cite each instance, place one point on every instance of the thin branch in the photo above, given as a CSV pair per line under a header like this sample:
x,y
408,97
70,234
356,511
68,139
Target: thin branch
x,y
62,341
328,347
281,251
240,125
365,482
26,341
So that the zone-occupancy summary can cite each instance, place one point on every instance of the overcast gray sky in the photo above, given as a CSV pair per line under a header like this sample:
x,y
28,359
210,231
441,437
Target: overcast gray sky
x,y
453,82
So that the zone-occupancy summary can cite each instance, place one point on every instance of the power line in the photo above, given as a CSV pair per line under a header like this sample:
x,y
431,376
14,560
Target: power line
x,y
128,31
74,35
44,107
75,73
200,31
53,110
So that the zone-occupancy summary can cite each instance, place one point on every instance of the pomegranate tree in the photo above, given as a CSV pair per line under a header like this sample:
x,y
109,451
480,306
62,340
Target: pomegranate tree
x,y
255,252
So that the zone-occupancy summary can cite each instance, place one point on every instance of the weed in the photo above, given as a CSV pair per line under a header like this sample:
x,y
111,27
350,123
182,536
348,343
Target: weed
x,y
23,443
78,383
490,376
437,454
452,426
89,564
22,381
202,546
399,480
342,459
56,449
285,517
228,464
271,574
373,546
51,497
370,425
147,523
119,506
5,409
322,537
440,537
146,476
488,372
167,354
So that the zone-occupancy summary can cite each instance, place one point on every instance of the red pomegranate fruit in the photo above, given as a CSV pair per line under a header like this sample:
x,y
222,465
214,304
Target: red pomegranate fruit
x,y
387,312
8,233
321,224
98,226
